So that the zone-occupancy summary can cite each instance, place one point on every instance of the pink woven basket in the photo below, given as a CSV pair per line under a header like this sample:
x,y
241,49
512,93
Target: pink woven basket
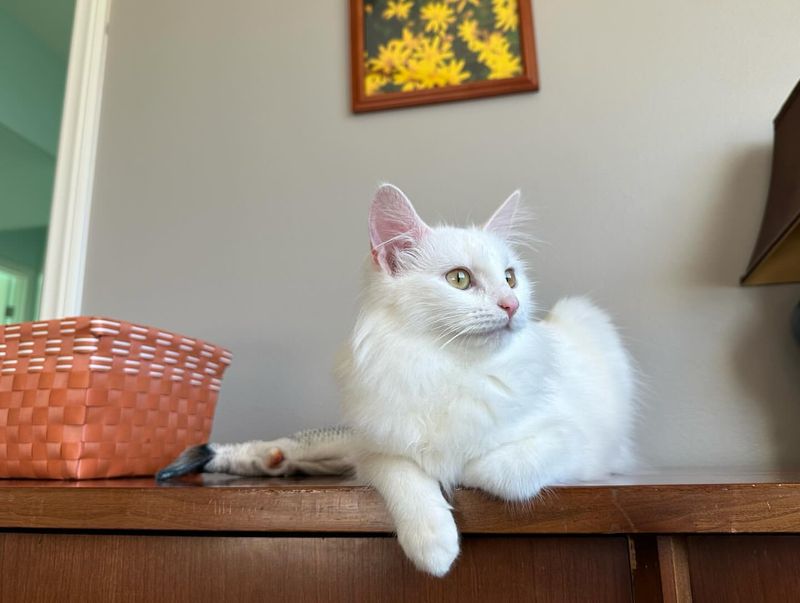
x,y
91,397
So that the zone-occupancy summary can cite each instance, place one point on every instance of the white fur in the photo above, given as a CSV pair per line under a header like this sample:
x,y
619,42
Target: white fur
x,y
440,388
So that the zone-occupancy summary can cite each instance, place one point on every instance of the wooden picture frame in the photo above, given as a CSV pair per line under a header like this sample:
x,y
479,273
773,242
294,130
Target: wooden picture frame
x,y
526,81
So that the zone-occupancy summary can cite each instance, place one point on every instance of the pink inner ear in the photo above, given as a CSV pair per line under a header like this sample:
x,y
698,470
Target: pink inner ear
x,y
393,226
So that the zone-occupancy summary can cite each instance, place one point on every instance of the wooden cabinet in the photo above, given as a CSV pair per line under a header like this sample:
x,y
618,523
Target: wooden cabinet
x,y
330,540
747,567
133,567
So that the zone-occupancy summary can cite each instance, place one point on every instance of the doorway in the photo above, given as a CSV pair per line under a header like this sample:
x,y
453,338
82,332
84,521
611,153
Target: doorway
x,y
35,38
68,40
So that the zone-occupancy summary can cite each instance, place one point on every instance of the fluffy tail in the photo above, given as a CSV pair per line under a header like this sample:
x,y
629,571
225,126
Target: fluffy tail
x,y
326,451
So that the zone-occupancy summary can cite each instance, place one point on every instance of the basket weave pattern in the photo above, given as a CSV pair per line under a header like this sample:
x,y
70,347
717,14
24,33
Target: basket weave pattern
x,y
90,397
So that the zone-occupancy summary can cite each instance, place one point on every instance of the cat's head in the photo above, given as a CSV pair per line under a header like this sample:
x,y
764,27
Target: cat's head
x,y
464,285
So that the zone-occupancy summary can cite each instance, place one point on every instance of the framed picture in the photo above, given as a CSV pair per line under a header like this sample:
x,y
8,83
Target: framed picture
x,y
416,52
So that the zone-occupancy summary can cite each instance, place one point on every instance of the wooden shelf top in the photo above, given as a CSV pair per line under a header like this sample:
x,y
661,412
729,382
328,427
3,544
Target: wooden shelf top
x,y
667,502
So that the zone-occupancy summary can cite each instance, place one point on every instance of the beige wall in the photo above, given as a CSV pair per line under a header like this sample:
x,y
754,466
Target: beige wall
x,y
233,182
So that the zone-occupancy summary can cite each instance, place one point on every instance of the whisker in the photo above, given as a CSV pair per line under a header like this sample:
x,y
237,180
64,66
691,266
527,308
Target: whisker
x,y
459,334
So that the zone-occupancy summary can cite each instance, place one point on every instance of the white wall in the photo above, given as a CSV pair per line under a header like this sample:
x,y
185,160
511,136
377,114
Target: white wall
x,y
233,182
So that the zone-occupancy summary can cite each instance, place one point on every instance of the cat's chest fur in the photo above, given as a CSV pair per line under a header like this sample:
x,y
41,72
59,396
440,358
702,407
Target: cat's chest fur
x,y
439,407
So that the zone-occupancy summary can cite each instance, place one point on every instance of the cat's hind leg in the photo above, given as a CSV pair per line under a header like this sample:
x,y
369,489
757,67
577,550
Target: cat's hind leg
x,y
326,451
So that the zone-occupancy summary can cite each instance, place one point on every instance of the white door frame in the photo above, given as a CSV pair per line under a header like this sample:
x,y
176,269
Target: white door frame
x,y
62,287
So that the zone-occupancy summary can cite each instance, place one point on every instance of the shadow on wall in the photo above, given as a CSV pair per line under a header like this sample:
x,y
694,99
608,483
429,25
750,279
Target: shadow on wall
x,y
767,362
734,218
764,356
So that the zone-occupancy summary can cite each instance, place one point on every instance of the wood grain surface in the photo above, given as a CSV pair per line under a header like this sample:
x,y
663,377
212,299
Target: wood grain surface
x,y
744,568
135,568
674,564
645,567
335,505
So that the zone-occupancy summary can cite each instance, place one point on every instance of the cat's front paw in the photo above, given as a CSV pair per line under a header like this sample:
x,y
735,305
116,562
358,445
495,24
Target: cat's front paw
x,y
430,542
501,474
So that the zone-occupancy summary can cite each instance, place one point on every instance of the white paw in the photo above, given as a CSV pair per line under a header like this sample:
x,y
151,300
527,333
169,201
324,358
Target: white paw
x,y
508,484
430,541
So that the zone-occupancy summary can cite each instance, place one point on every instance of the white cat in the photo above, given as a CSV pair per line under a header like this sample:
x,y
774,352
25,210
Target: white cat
x,y
449,380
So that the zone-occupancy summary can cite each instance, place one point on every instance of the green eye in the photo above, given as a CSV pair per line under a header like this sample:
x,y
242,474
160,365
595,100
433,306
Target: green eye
x,y
459,278
511,278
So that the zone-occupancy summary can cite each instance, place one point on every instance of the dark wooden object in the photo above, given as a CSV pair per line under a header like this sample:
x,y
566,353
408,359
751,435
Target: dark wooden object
x,y
527,82
263,568
330,540
776,255
749,568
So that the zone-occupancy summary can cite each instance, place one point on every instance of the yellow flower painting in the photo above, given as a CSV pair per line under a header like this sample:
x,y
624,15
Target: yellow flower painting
x,y
422,45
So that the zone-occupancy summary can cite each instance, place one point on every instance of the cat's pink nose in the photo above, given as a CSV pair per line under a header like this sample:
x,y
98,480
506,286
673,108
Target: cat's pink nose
x,y
509,304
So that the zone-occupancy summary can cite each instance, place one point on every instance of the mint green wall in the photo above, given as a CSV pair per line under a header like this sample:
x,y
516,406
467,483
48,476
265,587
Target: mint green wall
x,y
48,20
31,84
24,247
23,250
34,36
26,182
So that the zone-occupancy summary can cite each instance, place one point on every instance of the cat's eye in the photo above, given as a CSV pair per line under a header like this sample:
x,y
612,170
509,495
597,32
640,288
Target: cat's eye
x,y
511,278
459,278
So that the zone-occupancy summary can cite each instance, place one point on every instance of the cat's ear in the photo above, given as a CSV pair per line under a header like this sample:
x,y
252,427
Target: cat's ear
x,y
502,221
393,226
